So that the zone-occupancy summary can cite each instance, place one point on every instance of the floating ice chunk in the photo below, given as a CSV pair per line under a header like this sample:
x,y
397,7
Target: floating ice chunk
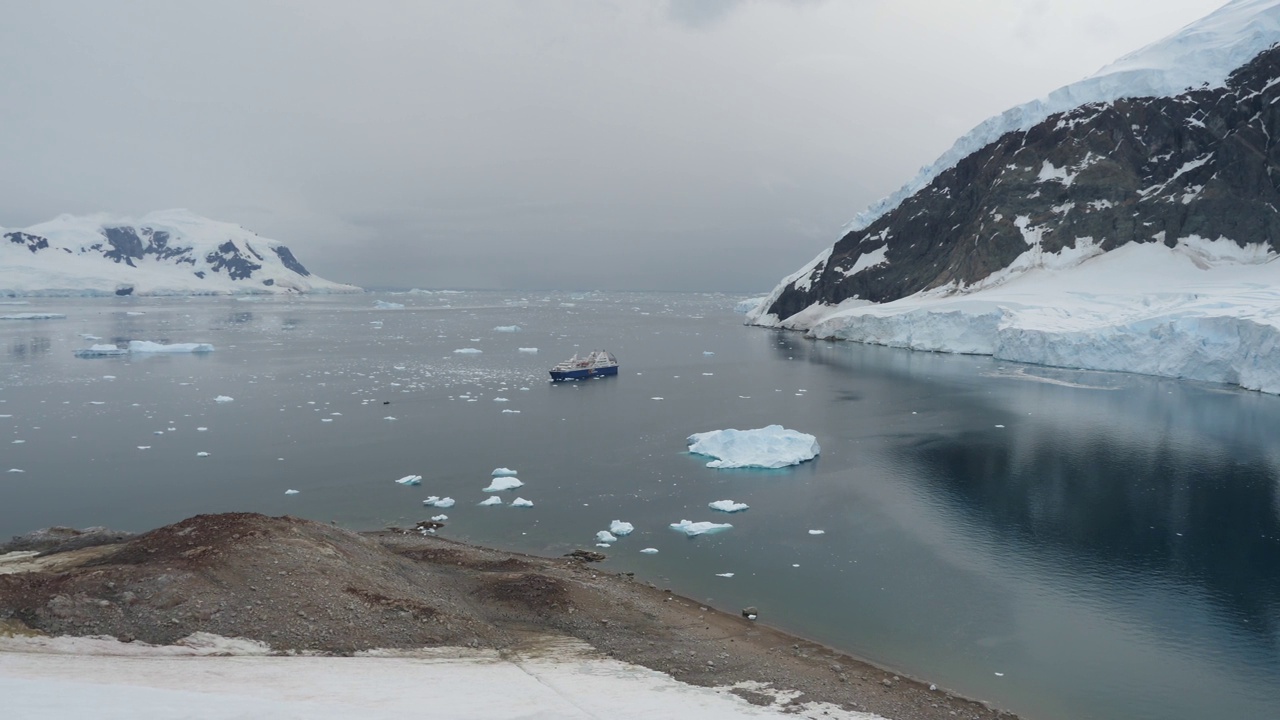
x,y
87,336
291,492
512,412
529,350
699,528
100,351
655,398
134,312
18,442
16,470
202,429
437,501
388,418
467,351
224,399
384,305
768,447
144,447
505,482
410,480
650,551
817,532
504,472
326,419
618,527
440,518
501,399
34,316
202,454
492,500
604,545
728,506
146,346
521,502
724,574
707,352
507,329
604,536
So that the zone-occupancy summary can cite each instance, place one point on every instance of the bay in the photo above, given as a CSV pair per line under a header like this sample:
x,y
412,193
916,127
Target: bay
x,y
1063,544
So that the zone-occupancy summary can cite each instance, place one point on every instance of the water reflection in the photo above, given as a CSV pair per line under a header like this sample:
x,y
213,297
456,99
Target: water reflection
x,y
27,349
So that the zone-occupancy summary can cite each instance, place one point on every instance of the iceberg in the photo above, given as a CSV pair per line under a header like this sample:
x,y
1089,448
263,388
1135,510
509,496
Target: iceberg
x,y
146,346
768,447
817,532
650,551
504,483
504,472
100,351
290,492
439,518
410,480
618,527
521,502
699,528
437,501
728,506
604,536
492,500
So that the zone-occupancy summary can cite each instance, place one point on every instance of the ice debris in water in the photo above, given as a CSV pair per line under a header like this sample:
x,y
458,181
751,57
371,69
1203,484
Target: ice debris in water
x,y
650,551
468,351
202,454
724,574
100,351
728,506
147,346
492,500
618,527
290,492
817,532
439,518
16,470
437,501
699,528
223,399
384,305
529,350
604,536
772,446
507,329
503,472
521,502
410,480
503,483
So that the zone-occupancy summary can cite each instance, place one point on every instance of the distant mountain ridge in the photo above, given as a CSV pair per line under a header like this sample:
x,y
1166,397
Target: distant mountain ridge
x,y
170,252
1004,237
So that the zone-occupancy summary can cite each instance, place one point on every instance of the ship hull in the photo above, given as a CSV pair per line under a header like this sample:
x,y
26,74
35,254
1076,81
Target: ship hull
x,y
583,373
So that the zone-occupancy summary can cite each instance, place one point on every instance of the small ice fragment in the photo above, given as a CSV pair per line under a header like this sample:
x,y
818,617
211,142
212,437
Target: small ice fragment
x,y
388,418
529,350
505,482
728,506
96,402
202,429
437,501
650,551
724,574
999,674
604,536
618,527
603,545
504,472
708,374
492,500
146,346
16,470
795,564
108,377
410,480
290,492
202,454
699,528
158,432
521,502
707,352
384,305
468,351
326,419
507,329
501,399
999,426
511,412
655,398
817,532
144,447
440,518
223,399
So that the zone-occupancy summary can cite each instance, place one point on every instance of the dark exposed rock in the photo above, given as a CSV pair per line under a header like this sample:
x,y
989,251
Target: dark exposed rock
x,y
1134,170
228,258
32,242
290,261
586,556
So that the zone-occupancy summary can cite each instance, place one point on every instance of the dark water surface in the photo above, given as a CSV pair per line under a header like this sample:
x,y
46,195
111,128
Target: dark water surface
x,y
1064,544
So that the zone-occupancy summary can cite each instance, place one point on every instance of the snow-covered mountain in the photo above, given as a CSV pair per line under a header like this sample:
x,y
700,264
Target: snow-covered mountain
x,y
171,252
1130,221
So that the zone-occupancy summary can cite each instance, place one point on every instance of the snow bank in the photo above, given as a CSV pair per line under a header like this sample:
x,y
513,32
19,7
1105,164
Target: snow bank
x,y
699,528
768,447
1203,310
505,482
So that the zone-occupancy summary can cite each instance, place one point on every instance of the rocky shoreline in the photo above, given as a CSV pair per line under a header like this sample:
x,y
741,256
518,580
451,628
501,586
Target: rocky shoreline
x,y
301,586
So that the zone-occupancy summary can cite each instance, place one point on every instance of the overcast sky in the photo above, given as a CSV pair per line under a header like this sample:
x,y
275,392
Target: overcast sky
x,y
530,144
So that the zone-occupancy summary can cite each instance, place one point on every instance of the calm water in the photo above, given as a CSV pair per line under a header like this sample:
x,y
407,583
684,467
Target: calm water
x,y
1064,544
